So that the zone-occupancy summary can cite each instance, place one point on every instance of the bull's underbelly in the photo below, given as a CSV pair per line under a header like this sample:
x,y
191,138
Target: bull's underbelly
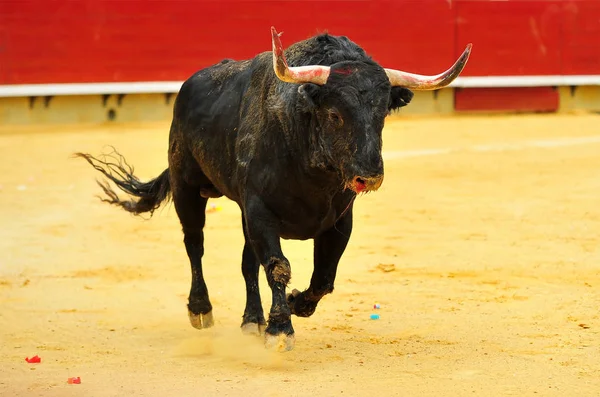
x,y
299,225
300,232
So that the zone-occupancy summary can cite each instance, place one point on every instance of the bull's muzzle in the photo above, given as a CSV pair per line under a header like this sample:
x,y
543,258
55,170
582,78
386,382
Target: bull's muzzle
x,y
366,184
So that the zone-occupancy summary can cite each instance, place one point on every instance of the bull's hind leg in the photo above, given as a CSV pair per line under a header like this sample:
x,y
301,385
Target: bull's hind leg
x,y
190,207
253,322
329,247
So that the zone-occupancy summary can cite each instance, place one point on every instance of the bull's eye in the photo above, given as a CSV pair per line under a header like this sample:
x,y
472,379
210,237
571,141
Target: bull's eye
x,y
335,118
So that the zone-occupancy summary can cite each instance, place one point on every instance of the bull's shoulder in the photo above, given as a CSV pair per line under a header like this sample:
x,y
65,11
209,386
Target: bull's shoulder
x,y
208,85
218,74
227,70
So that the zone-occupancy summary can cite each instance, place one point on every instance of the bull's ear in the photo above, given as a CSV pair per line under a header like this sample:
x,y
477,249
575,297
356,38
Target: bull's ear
x,y
399,97
309,94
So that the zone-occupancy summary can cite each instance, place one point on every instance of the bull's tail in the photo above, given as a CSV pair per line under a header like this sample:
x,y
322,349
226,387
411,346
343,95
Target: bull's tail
x,y
149,194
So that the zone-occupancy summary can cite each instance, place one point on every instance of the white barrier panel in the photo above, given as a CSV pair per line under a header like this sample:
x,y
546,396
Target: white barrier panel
x,y
158,87
525,81
144,87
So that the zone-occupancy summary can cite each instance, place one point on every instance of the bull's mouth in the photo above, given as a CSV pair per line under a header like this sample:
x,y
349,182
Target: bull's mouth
x,y
360,184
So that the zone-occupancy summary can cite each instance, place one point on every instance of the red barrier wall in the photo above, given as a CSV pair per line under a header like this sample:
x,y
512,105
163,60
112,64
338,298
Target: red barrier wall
x,y
44,41
581,42
99,41
526,37
512,37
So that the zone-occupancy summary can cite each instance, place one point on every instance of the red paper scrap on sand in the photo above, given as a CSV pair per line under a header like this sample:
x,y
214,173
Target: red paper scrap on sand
x,y
33,360
75,381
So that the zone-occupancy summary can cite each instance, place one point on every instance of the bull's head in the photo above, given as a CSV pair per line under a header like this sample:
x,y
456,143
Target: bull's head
x,y
350,100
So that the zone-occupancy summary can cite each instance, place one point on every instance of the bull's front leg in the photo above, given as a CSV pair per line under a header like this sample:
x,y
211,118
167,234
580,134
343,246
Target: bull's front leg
x,y
329,247
263,234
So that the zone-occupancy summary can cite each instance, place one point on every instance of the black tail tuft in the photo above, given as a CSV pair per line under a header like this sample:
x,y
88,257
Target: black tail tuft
x,y
151,194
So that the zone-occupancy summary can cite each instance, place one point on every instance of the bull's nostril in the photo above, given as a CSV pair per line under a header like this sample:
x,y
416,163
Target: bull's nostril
x,y
359,184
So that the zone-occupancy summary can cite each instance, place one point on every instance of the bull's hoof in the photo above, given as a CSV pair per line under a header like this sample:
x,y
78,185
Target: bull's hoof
x,y
300,306
281,342
254,329
201,321
292,299
293,295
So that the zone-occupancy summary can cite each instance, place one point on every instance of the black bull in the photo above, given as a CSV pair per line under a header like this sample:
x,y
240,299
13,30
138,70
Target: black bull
x,y
292,146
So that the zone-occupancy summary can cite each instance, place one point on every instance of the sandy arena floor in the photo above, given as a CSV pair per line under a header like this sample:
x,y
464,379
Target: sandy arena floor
x,y
482,248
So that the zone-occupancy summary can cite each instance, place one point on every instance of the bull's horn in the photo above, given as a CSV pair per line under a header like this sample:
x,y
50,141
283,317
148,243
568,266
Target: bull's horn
x,y
301,74
420,82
